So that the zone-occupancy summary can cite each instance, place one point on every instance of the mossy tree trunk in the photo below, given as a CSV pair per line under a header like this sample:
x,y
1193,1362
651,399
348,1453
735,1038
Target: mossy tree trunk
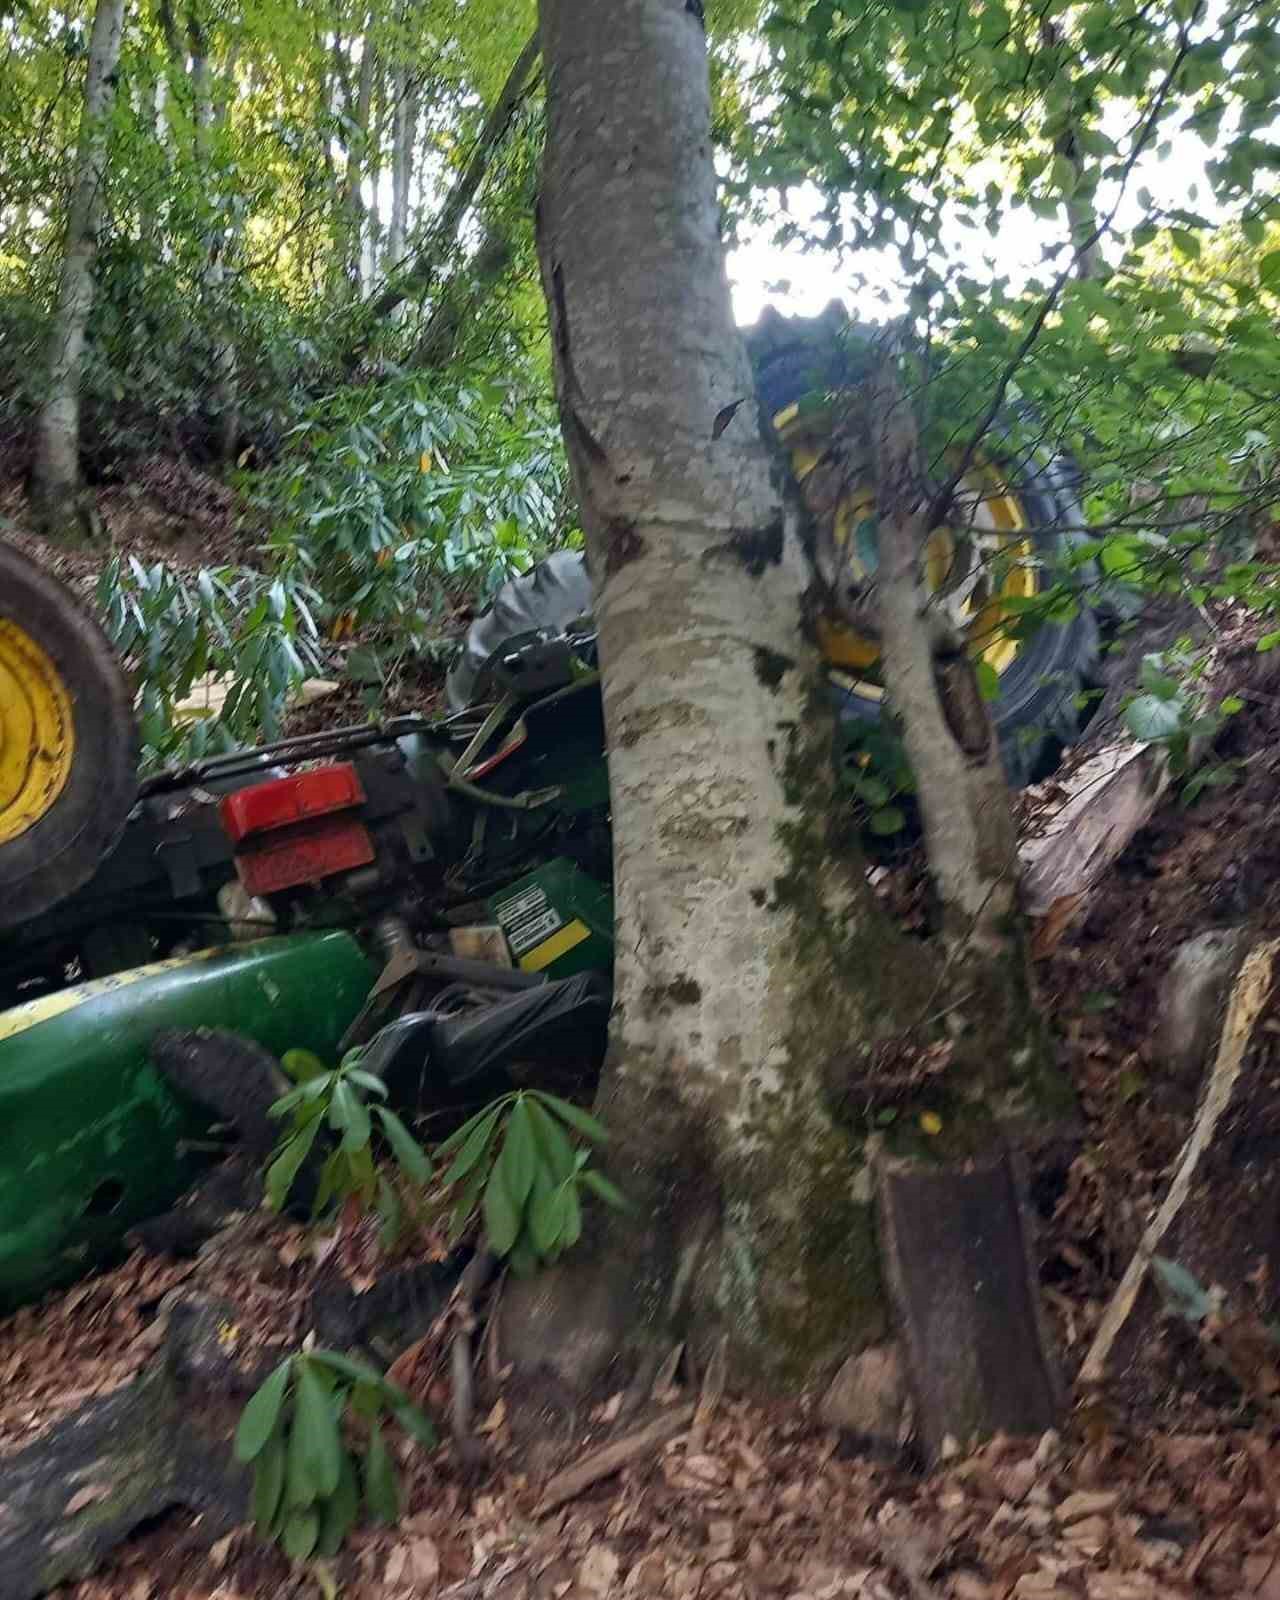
x,y
756,980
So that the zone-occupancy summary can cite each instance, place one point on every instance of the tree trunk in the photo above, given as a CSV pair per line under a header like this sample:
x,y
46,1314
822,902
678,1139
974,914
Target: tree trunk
x,y
371,249
999,1038
753,972
357,142
759,991
404,120
161,1441
424,270
55,480
208,117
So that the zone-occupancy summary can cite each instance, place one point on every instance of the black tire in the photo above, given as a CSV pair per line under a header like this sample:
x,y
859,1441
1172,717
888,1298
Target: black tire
x,y
59,852
1037,711
553,594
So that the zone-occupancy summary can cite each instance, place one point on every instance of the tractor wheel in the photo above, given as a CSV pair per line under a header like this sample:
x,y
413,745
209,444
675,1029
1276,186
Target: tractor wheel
x,y
1020,522
68,747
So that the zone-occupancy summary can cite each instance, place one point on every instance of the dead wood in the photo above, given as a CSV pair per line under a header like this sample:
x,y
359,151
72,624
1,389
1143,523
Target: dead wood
x,y
611,1458
1248,999
959,1264
1077,823
472,1284
162,1441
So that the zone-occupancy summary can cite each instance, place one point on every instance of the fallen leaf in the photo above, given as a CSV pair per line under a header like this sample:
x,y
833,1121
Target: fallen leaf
x,y
88,1496
1086,1503
598,1570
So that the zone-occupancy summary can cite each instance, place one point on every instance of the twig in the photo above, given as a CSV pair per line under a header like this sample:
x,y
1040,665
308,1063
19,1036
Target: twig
x,y
611,1458
1248,997
475,1276
905,1555
712,1393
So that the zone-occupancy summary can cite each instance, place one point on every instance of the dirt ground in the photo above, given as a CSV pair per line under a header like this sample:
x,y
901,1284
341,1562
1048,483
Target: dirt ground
x,y
1122,1504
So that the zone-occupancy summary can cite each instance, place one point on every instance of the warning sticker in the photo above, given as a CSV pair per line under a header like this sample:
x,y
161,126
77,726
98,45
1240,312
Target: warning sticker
x,y
527,918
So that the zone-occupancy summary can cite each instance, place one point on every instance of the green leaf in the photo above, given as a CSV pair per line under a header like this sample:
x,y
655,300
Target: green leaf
x,y
988,680
477,1143
501,1218
1231,705
390,1210
547,1218
519,1157
339,1512
1181,1291
579,1120
381,1490
1269,270
259,1417
572,1218
286,1102
315,1427
1152,719
349,1112
553,1143
408,1152
873,791
1268,641
1186,243
331,1177
416,1424
350,1367
891,819
367,1081
524,1259
286,1166
464,1206
604,1190
268,1484
301,1530
302,1064
367,1399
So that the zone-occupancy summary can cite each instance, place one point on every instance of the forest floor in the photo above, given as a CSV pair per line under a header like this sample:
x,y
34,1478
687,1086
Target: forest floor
x,y
1176,1496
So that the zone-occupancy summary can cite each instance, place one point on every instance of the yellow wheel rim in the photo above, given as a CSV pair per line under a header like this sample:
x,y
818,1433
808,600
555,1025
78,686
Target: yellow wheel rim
x,y
975,569
37,733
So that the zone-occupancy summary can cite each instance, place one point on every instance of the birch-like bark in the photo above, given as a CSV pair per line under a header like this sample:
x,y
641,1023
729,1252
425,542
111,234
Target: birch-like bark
x,y
357,142
55,478
753,972
960,782
424,270
209,116
403,122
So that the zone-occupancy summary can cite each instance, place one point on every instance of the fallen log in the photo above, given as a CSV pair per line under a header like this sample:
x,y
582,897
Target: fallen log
x,y
161,1441
1086,819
